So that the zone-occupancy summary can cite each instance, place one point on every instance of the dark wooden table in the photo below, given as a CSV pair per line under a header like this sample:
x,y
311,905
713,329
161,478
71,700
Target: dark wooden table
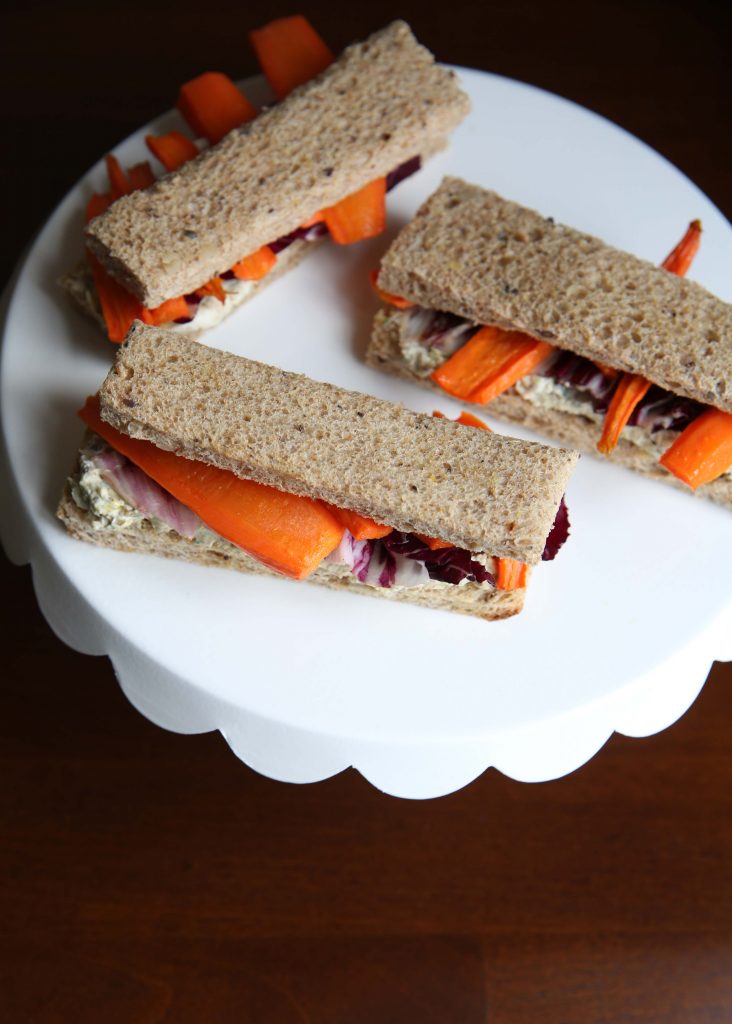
x,y
148,876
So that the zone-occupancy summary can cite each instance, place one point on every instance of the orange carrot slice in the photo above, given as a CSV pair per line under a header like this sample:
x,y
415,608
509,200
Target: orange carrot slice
x,y
610,371
468,420
286,532
630,389
213,287
141,176
434,543
212,105
360,527
256,266
511,574
679,259
703,450
490,363
172,149
119,307
120,185
317,218
172,309
358,216
387,297
290,52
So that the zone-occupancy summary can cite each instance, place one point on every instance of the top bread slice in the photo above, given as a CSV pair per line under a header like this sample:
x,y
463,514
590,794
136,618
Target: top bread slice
x,y
381,103
478,490
470,252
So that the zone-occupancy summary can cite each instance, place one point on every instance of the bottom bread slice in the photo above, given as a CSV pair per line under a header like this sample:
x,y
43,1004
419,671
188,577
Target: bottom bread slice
x,y
78,286
574,431
467,598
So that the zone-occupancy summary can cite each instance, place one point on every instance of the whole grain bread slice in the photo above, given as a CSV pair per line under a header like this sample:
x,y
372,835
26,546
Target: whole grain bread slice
x,y
384,352
470,252
414,472
469,598
381,103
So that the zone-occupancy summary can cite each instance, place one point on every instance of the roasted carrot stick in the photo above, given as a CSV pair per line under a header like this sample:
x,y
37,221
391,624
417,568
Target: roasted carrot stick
x,y
213,287
141,176
212,105
631,388
287,532
468,420
172,309
360,527
679,259
120,185
434,543
97,204
387,297
172,149
511,574
358,216
703,451
256,266
119,307
490,363
290,52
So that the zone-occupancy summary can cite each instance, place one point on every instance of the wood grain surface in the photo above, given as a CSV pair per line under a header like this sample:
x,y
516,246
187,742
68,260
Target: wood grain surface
x,y
151,877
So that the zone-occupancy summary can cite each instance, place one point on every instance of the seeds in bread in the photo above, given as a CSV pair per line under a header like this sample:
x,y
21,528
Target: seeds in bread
x,y
381,103
384,353
470,252
468,598
414,472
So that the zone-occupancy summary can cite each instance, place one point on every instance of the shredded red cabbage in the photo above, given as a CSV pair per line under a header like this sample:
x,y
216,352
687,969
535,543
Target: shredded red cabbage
x,y
558,533
449,565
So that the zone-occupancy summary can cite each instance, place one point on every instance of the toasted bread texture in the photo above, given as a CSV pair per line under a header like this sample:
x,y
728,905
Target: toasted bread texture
x,y
381,103
580,432
470,252
414,472
78,285
468,598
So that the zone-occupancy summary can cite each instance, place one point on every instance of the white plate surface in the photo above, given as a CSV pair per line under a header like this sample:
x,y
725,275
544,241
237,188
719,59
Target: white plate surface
x,y
618,633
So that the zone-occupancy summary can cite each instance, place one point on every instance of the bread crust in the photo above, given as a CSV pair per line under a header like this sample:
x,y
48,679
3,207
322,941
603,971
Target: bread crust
x,y
384,353
480,491
468,598
470,252
382,102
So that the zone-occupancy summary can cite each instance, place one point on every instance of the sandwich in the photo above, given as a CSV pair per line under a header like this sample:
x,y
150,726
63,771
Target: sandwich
x,y
551,328
198,454
185,250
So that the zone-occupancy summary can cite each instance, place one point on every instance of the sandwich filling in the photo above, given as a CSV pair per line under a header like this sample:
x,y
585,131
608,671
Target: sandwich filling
x,y
120,497
563,382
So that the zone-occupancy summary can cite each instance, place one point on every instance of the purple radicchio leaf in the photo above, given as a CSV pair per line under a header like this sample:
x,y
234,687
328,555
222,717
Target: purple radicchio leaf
x,y
558,533
582,375
661,410
449,565
143,493
403,171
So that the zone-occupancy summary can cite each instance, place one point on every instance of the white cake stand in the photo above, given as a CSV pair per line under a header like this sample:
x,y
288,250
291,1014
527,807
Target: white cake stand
x,y
618,634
